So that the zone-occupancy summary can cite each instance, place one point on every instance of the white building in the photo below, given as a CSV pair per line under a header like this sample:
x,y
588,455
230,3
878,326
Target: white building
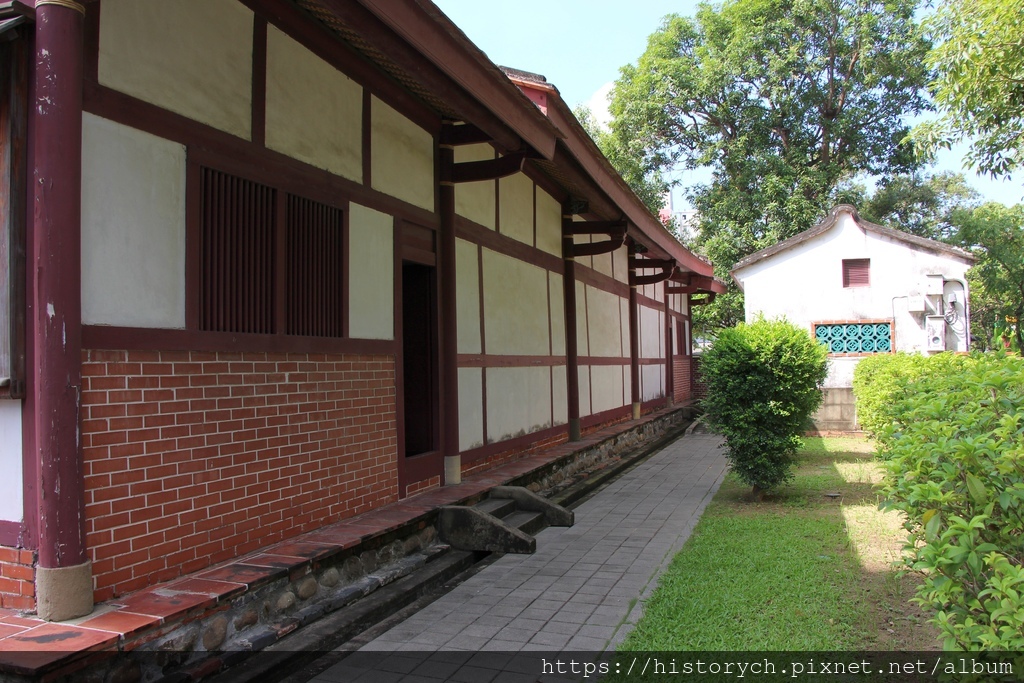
x,y
862,289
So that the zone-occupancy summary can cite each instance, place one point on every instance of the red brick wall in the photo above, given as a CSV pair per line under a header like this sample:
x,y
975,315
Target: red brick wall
x,y
17,578
697,386
195,458
681,390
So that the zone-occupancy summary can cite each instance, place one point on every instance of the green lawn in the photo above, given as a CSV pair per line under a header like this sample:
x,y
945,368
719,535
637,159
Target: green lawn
x,y
801,570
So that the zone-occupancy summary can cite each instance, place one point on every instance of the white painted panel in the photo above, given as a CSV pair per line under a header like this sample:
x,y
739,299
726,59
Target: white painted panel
x,y
556,295
603,318
192,57
471,408
582,347
624,317
515,306
515,207
652,381
518,401
603,262
549,223
651,333
371,280
606,387
467,296
620,264
559,390
475,201
11,484
402,157
314,112
584,382
133,227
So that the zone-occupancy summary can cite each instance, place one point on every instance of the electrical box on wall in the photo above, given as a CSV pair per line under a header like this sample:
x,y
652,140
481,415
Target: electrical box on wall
x,y
935,333
933,285
916,304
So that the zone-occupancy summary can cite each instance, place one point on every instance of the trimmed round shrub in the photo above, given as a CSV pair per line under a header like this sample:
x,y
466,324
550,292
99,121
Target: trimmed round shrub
x,y
763,382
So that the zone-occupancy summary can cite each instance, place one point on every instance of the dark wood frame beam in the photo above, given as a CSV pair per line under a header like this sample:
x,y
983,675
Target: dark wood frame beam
x,y
488,169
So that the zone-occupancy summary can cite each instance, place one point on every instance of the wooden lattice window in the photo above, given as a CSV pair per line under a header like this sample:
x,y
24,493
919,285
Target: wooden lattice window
x,y
238,255
315,277
267,268
856,272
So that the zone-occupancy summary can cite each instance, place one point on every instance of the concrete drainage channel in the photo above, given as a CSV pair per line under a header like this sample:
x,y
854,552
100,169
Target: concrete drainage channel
x,y
310,650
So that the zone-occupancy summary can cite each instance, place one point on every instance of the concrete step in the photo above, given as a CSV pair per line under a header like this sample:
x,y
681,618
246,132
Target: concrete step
x,y
497,507
526,521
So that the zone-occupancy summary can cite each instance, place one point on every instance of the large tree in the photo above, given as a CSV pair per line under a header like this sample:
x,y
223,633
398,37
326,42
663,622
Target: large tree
x,y
979,84
781,99
921,204
996,233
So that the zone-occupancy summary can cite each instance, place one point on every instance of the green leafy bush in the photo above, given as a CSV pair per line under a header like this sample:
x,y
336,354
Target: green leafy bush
x,y
881,381
955,467
763,382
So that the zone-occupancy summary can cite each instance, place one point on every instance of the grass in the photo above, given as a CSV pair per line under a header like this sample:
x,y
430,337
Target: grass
x,y
801,570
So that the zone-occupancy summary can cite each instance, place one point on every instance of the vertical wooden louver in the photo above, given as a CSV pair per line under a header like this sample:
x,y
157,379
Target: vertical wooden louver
x,y
856,272
237,254
315,295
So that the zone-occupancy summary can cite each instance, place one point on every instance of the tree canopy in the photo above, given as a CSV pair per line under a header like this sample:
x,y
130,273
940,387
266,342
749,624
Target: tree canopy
x,y
979,83
781,99
996,234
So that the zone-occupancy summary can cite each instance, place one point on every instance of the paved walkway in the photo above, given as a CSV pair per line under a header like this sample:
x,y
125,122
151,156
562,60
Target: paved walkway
x,y
582,591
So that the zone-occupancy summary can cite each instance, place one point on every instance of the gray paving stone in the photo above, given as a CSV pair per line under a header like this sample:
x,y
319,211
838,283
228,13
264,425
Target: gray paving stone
x,y
580,590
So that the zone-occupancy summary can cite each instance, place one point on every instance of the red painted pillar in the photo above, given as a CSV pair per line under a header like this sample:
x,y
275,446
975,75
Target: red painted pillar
x,y
63,577
449,322
634,334
572,367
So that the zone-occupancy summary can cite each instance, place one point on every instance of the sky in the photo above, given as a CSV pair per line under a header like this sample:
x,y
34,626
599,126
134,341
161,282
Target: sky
x,y
579,46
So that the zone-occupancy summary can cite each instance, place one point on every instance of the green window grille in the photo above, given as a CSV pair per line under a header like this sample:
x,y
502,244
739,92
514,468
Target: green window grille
x,y
855,337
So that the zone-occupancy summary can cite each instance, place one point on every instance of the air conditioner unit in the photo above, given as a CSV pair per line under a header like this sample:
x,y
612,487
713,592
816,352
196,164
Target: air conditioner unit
x,y
935,333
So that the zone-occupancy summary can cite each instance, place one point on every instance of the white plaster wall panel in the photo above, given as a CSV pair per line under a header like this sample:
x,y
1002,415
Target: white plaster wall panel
x,y
587,261
620,264
560,395
401,157
192,57
518,401
12,507
652,382
584,385
606,387
515,306
133,227
471,408
515,207
627,386
556,299
549,223
603,262
652,332
582,347
603,319
467,296
624,324
475,201
371,279
314,112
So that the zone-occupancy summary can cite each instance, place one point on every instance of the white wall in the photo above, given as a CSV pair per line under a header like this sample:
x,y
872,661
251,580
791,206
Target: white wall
x,y
133,227
804,284
11,484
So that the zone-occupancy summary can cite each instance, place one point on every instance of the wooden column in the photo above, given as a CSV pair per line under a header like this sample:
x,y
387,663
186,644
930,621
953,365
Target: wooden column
x,y
634,333
449,322
63,577
572,368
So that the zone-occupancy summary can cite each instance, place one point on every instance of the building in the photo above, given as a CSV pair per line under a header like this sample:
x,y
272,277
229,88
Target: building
x,y
862,289
274,263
